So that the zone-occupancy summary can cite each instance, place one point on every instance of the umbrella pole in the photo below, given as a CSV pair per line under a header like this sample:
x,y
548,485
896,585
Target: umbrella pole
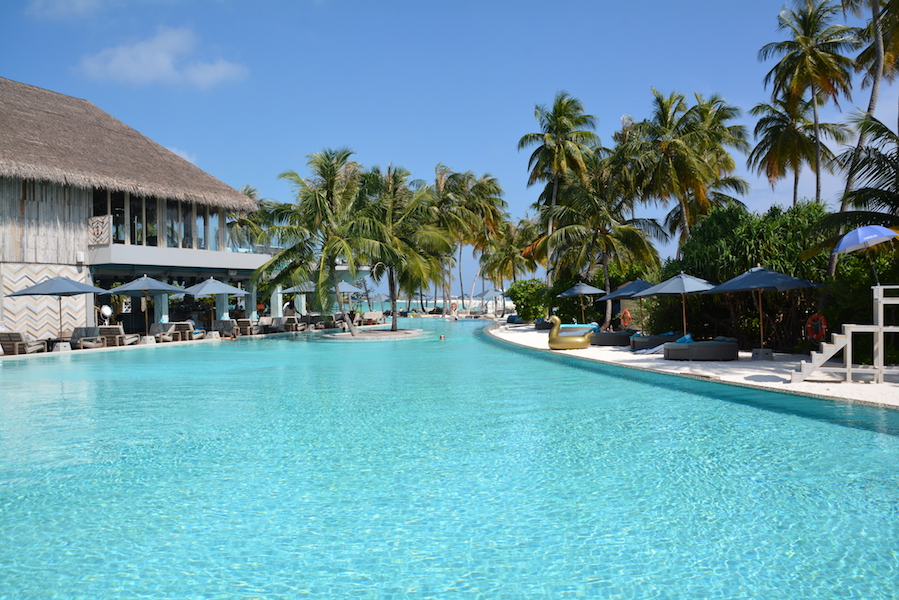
x,y
60,316
146,316
761,322
683,298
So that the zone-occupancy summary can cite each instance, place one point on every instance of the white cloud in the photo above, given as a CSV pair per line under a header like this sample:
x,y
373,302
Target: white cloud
x,y
191,158
162,59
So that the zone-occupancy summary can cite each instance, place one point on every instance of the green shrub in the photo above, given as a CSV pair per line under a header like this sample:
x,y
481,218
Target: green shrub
x,y
530,298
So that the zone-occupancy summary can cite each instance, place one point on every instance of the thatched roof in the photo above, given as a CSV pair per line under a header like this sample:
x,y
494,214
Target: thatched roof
x,y
47,136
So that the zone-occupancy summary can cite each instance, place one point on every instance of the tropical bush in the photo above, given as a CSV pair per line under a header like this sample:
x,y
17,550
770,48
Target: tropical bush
x,y
530,298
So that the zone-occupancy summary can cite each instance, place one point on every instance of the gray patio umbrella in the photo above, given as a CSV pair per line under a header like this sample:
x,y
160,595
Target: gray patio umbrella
x,y
213,287
348,288
59,287
863,238
762,280
581,289
682,284
146,286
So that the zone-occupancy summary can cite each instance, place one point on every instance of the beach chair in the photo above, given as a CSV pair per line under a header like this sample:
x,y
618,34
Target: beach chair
x,y
188,332
263,325
115,336
84,338
164,332
373,317
245,327
226,327
14,342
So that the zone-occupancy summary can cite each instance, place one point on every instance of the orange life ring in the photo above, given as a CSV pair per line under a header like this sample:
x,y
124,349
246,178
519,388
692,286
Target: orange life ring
x,y
625,317
816,327
454,306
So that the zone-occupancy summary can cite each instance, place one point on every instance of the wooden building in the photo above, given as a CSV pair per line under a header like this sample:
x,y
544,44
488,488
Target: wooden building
x,y
84,196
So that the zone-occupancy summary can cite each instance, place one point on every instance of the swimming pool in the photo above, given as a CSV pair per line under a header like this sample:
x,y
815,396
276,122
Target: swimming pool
x,y
304,468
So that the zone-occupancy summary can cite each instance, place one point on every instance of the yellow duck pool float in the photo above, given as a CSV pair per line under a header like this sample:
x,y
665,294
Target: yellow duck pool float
x,y
567,342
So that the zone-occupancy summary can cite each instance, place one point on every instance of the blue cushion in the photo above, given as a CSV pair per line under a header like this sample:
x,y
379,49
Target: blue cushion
x,y
686,339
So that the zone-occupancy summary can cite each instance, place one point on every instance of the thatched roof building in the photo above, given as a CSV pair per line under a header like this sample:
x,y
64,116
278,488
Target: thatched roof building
x,y
46,136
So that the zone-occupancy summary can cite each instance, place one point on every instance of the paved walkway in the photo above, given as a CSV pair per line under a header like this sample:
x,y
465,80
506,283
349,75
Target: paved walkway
x,y
762,374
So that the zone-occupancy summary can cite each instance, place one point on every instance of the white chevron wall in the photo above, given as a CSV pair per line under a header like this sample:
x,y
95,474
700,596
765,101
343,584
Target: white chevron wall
x,y
39,315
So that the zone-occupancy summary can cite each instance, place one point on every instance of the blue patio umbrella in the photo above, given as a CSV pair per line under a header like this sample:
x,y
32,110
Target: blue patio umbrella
x,y
348,288
862,239
682,284
762,280
146,286
59,287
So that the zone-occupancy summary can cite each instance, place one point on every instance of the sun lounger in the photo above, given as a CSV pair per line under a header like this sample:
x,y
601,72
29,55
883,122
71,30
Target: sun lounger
x,y
651,341
115,336
612,338
704,350
245,326
373,317
226,327
164,332
188,331
14,342
84,338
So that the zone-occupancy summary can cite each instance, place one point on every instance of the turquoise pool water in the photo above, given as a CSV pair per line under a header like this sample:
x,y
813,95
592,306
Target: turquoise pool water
x,y
304,468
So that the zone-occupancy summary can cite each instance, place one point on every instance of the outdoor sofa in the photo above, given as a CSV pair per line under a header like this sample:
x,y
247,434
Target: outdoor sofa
x,y
640,342
84,338
717,349
115,336
612,338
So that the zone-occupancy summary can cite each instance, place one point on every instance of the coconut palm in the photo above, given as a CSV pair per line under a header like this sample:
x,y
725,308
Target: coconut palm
x,y
812,61
785,134
320,231
564,141
594,229
679,152
401,239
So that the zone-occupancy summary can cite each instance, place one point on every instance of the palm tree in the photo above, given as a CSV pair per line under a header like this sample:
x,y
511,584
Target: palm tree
x,y
594,228
786,142
878,170
812,61
401,239
320,231
679,152
503,256
564,141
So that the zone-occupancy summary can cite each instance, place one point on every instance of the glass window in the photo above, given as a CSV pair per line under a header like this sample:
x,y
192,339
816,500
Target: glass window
x,y
172,224
201,227
117,203
187,222
214,234
101,206
136,217
152,222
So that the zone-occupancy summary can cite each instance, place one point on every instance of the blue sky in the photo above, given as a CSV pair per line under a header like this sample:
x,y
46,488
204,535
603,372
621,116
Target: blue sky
x,y
246,90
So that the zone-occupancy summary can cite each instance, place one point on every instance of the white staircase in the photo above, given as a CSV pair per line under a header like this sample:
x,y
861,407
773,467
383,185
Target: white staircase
x,y
843,342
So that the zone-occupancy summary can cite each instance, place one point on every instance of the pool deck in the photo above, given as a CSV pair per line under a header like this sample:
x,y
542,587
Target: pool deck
x,y
761,374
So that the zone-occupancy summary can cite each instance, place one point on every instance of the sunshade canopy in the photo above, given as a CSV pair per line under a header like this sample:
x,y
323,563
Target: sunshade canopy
x,y
307,287
638,285
347,288
760,278
489,295
679,284
212,287
863,238
146,286
59,286
580,289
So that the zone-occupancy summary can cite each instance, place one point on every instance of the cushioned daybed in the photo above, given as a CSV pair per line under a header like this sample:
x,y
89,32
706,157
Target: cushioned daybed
x,y
612,338
706,350
640,342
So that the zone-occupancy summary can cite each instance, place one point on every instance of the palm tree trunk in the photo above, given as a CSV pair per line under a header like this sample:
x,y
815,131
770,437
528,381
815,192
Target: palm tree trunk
x,y
346,316
549,232
461,284
817,145
877,28
795,186
607,321
391,290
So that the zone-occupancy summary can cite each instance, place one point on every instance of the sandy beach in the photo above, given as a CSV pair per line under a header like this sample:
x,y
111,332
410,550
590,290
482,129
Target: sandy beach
x,y
762,374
